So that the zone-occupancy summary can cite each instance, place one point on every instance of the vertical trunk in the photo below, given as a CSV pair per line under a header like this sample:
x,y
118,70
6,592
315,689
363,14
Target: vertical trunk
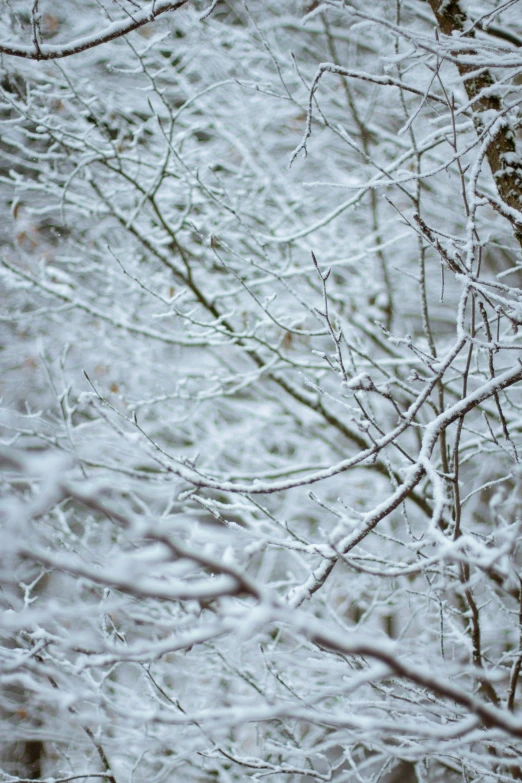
x,y
505,163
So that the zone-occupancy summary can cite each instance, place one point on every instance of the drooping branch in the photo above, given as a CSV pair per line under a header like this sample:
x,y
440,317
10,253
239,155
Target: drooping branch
x,y
489,716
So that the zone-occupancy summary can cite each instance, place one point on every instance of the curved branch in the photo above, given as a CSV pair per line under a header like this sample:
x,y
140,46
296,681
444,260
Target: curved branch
x,y
415,473
489,716
115,30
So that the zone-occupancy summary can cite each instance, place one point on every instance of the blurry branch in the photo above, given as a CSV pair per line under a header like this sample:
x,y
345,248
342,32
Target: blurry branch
x,y
118,29
178,589
489,715
105,775
501,32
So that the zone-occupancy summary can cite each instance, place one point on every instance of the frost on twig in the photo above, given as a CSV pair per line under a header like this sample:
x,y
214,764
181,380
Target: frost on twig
x,y
260,428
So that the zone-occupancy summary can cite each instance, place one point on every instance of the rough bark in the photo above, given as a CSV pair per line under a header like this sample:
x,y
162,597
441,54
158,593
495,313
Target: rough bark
x,y
502,156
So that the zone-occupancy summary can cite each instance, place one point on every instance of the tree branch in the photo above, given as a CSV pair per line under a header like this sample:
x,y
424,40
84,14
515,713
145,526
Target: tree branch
x,y
116,30
479,85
